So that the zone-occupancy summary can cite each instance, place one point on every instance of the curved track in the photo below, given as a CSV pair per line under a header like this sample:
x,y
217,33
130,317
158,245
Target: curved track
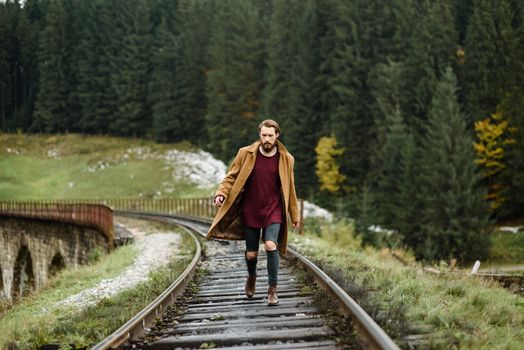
x,y
215,313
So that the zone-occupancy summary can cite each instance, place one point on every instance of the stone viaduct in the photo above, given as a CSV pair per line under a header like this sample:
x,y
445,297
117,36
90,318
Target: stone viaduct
x,y
33,250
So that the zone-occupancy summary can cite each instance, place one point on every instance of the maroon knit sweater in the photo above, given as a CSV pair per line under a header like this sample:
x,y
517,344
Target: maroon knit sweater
x,y
261,203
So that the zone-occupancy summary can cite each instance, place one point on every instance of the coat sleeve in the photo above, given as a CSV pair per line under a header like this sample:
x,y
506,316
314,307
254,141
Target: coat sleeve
x,y
293,202
228,181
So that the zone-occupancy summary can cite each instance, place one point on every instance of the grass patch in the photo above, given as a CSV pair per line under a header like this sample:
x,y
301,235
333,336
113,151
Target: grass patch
x,y
143,225
454,311
88,167
27,326
39,308
507,247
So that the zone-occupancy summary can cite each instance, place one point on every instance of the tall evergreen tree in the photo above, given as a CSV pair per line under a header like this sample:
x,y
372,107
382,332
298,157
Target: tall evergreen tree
x,y
4,68
28,33
193,39
385,84
454,213
290,95
283,44
75,22
463,10
233,80
52,105
408,213
388,185
359,36
108,37
88,54
490,41
131,68
432,48
164,94
388,149
366,215
349,119
327,16
512,108
10,68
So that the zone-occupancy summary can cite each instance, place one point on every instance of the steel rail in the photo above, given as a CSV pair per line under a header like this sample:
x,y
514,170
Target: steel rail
x,y
140,322
365,325
350,307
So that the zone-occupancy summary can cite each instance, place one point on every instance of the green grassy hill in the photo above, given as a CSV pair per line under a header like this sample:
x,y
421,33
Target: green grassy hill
x,y
87,167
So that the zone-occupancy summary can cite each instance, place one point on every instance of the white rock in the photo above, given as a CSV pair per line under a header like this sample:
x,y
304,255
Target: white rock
x,y
198,167
312,210
511,229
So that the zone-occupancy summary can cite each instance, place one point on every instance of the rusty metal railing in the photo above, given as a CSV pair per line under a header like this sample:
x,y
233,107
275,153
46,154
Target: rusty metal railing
x,y
86,214
197,207
85,210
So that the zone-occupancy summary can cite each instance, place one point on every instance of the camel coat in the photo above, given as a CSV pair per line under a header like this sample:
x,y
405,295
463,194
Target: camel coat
x,y
228,220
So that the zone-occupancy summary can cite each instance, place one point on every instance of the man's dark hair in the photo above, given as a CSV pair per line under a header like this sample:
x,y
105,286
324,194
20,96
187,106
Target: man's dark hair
x,y
269,123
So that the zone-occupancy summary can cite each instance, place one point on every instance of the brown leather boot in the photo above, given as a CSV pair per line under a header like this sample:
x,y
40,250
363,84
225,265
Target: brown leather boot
x,y
250,285
272,298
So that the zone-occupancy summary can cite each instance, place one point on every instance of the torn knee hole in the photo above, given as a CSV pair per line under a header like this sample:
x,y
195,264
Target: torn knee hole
x,y
251,255
270,245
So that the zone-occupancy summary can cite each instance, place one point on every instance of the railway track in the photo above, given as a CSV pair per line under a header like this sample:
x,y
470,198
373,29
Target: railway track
x,y
213,312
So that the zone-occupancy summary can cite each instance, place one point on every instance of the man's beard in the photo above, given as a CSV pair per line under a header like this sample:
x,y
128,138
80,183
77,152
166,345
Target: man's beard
x,y
268,147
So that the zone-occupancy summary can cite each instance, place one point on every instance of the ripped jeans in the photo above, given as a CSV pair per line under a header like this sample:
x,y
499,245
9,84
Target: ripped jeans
x,y
269,233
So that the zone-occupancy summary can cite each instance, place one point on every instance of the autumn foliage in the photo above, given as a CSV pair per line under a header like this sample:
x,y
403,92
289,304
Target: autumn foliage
x,y
493,135
327,169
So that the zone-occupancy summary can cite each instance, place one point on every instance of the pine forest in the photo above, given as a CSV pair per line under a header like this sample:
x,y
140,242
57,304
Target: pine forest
x,y
407,114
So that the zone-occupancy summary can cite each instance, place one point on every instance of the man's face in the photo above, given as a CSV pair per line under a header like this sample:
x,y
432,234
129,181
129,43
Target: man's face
x,y
268,136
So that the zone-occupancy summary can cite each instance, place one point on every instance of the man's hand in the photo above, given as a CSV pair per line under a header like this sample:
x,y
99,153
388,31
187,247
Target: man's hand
x,y
295,224
219,200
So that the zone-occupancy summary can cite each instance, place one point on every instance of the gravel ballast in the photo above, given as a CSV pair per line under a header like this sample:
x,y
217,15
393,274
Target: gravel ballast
x,y
155,250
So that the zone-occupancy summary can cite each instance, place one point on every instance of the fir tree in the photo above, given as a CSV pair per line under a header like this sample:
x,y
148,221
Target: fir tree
x,y
390,155
52,105
131,68
432,48
385,84
4,68
367,216
10,68
163,88
106,110
490,41
28,33
192,41
234,81
454,215
462,14
359,36
89,52
282,52
408,213
290,94
348,119
512,107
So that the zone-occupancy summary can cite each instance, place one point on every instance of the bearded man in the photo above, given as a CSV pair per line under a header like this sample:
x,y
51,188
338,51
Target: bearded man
x,y
255,197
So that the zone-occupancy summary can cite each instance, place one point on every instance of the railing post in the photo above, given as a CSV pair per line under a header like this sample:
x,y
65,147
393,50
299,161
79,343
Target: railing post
x,y
301,224
198,206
